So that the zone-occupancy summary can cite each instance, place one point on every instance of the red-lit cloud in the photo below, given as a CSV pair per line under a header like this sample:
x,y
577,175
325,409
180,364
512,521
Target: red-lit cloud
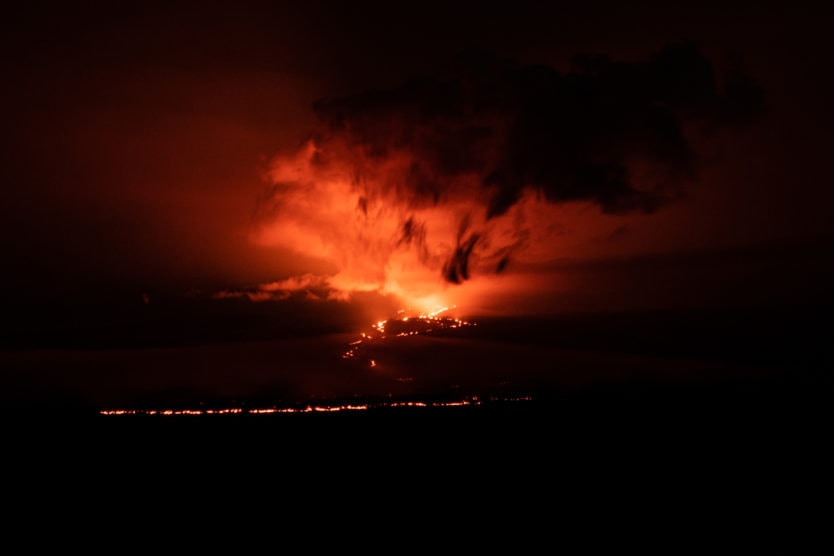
x,y
309,285
444,182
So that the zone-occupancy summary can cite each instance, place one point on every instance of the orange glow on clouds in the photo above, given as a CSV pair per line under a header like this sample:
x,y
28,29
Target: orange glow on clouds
x,y
384,238
423,190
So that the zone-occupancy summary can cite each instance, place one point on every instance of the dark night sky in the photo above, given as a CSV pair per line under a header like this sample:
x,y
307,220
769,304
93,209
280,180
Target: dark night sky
x,y
135,136
138,138
170,241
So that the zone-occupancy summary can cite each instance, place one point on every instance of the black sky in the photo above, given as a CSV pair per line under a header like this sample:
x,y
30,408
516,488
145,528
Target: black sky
x,y
680,340
135,136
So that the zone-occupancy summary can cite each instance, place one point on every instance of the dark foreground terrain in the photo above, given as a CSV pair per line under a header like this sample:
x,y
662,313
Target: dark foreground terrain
x,y
715,388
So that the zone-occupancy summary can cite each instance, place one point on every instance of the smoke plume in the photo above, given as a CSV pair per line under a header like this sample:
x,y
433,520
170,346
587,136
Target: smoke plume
x,y
438,180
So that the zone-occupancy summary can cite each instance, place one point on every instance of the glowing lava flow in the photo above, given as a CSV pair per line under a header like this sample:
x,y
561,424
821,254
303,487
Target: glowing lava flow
x,y
422,324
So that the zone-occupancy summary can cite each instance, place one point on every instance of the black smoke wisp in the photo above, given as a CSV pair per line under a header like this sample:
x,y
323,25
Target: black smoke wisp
x,y
475,142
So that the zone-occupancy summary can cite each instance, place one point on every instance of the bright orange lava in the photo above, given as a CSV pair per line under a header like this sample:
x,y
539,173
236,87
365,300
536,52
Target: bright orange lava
x,y
405,325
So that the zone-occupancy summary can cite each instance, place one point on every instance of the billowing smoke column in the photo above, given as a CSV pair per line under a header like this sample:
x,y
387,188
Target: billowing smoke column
x,y
440,180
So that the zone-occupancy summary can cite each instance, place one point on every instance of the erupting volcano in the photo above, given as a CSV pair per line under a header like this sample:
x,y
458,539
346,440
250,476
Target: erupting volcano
x,y
431,240
453,182
403,325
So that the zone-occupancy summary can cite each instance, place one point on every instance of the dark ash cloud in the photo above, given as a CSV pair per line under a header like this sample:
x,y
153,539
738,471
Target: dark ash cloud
x,y
608,132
